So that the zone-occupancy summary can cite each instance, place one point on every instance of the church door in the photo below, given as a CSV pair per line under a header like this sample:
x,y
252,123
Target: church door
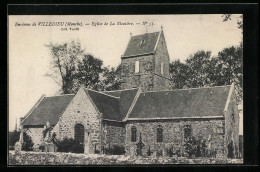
x,y
79,137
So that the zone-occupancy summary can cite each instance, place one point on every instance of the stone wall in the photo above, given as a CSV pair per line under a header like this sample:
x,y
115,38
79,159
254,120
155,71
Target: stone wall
x,y
150,68
82,111
36,135
232,126
114,134
51,158
143,79
203,129
161,56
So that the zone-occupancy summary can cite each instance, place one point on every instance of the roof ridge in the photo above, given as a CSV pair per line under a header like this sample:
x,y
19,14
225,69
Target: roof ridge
x,y
121,90
146,33
186,89
61,95
103,93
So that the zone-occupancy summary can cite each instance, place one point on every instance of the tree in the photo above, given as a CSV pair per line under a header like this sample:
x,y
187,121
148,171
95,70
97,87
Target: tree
x,y
229,68
198,69
111,78
178,74
227,17
63,64
88,71
13,138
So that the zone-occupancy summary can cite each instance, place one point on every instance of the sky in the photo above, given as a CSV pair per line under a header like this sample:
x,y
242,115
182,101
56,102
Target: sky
x,y
29,58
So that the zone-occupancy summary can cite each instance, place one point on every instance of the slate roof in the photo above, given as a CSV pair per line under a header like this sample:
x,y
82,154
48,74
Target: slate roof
x,y
197,102
135,47
114,105
126,98
49,109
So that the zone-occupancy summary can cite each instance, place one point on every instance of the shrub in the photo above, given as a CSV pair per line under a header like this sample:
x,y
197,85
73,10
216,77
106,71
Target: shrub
x,y
159,152
195,148
27,140
13,138
28,143
69,145
115,150
42,148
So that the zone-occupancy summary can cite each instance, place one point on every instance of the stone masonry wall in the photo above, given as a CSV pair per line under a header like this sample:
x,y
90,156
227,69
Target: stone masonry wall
x,y
36,135
232,126
80,110
143,79
173,134
57,158
161,56
114,134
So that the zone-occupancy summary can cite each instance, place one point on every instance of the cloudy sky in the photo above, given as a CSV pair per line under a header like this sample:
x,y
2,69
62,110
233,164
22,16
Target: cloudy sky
x,y
29,59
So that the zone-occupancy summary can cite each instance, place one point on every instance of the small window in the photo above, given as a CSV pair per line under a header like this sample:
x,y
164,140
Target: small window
x,y
137,67
142,42
233,117
159,133
161,68
133,134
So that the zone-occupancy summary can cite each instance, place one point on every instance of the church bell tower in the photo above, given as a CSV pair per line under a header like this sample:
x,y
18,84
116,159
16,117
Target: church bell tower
x,y
145,63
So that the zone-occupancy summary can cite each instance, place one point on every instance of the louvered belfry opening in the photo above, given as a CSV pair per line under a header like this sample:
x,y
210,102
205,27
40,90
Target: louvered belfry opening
x,y
79,133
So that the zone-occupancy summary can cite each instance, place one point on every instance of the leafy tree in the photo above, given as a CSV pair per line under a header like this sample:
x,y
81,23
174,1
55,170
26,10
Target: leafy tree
x,y
111,78
63,64
13,138
201,70
89,70
178,74
227,17
27,140
229,68
198,69
71,67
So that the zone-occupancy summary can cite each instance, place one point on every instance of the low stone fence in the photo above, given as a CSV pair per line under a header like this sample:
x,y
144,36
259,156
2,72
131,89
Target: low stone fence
x,y
57,158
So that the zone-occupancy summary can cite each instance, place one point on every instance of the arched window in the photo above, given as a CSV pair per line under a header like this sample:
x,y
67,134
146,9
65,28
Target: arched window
x,y
137,63
159,133
161,68
133,134
79,133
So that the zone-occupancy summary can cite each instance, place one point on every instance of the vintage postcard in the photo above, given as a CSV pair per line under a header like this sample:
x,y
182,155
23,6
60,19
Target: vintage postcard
x,y
125,89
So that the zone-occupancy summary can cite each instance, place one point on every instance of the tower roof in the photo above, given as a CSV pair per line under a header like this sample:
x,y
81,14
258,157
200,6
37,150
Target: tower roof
x,y
141,44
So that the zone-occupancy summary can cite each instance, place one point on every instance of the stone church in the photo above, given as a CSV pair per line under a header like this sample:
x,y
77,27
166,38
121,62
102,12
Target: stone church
x,y
145,108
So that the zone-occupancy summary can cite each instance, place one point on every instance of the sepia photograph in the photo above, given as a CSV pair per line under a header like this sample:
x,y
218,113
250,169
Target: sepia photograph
x,y
125,89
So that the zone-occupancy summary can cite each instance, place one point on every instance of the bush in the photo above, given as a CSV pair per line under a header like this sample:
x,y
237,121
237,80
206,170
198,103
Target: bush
x,y
28,143
13,138
194,147
115,150
159,152
27,140
69,145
